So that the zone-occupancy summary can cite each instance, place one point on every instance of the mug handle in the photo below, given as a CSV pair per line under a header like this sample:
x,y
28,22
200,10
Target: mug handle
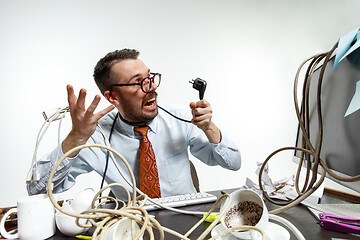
x,y
3,231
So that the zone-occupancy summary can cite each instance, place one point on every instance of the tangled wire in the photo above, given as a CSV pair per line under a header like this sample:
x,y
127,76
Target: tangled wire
x,y
311,182
103,218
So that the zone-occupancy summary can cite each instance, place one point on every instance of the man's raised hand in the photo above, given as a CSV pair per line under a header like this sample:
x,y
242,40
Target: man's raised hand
x,y
83,120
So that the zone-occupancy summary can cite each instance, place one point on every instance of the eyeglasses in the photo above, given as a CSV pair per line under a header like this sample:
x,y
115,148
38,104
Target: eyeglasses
x,y
145,84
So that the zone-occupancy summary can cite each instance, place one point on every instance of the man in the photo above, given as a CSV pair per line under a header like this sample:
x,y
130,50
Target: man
x,y
127,83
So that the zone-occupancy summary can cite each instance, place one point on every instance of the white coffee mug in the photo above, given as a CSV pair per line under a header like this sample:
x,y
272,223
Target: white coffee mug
x,y
255,203
35,218
67,224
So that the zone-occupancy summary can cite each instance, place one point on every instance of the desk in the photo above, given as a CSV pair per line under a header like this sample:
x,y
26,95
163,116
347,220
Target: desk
x,y
298,215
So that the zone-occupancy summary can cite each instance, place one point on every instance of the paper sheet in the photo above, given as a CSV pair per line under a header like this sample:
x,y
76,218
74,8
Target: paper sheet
x,y
355,101
345,47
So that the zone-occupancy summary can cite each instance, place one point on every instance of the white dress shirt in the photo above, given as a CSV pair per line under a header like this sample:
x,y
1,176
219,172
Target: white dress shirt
x,y
170,139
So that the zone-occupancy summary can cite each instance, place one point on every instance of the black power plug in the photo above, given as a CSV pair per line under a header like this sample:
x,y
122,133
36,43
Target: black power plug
x,y
200,85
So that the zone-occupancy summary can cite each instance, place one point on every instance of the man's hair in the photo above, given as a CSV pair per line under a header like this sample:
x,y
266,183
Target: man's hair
x,y
102,71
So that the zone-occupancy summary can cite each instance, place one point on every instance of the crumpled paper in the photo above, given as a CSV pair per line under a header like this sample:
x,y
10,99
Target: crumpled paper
x,y
283,189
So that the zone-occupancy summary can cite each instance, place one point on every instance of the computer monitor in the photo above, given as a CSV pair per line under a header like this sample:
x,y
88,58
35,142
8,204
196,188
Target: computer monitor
x,y
341,135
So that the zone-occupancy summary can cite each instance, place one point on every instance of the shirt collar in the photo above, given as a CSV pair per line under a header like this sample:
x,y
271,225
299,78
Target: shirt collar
x,y
129,129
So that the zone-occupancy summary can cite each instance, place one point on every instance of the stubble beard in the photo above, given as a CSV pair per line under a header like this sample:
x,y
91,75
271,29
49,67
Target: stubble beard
x,y
136,115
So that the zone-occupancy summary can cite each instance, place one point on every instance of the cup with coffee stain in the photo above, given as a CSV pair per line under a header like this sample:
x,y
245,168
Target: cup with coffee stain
x,y
247,208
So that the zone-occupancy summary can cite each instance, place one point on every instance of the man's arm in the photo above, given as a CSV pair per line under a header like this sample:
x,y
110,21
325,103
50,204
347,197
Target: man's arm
x,y
223,151
83,126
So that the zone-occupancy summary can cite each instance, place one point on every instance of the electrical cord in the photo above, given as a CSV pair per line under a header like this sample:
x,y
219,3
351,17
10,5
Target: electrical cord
x,y
103,218
178,118
198,84
307,149
107,154
33,169
58,115
103,214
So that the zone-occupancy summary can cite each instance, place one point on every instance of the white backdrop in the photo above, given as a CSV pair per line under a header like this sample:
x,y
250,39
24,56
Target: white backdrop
x,y
248,51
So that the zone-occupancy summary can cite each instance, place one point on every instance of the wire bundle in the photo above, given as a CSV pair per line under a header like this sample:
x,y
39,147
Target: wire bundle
x,y
58,115
103,218
311,182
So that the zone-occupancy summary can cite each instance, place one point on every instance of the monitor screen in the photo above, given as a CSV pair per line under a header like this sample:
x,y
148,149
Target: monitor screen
x,y
341,135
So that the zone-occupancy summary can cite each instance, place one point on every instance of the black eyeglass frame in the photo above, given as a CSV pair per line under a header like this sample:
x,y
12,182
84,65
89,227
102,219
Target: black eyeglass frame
x,y
151,78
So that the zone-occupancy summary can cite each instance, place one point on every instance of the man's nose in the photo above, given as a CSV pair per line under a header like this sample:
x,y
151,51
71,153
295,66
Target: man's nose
x,y
153,86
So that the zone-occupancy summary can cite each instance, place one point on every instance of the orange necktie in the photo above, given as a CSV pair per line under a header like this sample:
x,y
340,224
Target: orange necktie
x,y
148,173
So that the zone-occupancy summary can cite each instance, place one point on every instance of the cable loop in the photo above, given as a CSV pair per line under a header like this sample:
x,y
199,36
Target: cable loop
x,y
104,218
311,182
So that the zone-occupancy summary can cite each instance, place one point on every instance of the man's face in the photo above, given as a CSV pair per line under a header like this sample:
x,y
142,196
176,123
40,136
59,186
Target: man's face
x,y
134,105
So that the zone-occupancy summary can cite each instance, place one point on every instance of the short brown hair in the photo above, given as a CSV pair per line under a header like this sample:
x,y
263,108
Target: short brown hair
x,y
102,71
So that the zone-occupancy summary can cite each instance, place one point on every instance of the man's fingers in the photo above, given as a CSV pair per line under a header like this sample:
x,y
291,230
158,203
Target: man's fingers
x,y
200,107
91,109
80,104
201,118
201,111
105,111
202,124
78,111
93,105
71,96
202,104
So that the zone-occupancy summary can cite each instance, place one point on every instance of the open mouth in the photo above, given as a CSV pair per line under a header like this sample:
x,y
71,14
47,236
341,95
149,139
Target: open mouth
x,y
150,103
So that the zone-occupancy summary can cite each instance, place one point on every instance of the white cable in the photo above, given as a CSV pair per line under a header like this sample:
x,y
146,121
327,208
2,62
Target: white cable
x,y
34,160
288,224
102,218
59,139
59,114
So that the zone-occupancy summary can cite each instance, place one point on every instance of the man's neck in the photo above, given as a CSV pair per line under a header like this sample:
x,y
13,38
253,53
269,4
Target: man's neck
x,y
137,124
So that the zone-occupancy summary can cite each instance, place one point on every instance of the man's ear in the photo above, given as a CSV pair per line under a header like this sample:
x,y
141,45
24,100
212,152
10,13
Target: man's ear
x,y
111,98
